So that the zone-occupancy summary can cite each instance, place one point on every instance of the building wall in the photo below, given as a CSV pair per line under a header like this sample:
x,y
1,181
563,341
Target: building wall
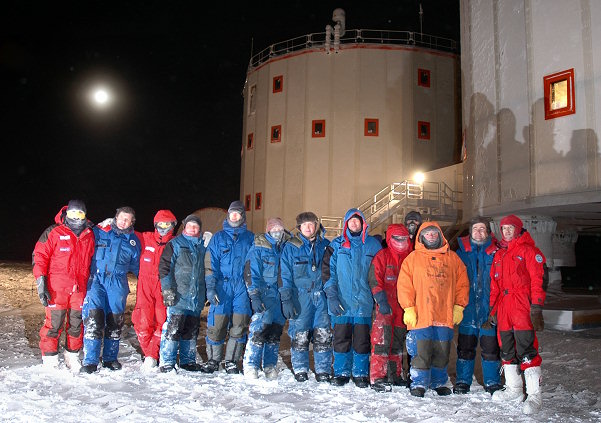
x,y
341,170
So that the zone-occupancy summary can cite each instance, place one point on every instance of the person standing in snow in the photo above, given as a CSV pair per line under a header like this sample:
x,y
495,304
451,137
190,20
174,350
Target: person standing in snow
x,y
388,330
261,274
61,266
150,313
516,301
433,290
117,252
344,272
226,291
182,274
303,299
413,221
476,250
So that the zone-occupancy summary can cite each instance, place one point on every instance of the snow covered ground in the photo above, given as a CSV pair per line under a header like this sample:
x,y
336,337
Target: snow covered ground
x,y
28,392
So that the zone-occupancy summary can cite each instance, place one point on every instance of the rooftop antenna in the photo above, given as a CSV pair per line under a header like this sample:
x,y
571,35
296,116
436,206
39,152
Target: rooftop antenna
x,y
421,14
252,42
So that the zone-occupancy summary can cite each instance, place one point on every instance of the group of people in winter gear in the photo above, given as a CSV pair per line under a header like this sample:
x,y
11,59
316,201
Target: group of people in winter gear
x,y
358,301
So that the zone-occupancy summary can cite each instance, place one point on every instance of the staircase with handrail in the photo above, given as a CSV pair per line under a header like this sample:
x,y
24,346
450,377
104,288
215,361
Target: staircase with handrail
x,y
434,200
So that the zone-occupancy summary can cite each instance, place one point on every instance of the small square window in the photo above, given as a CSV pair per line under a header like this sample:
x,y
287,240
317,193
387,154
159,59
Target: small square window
x,y
318,129
276,133
423,130
278,84
559,94
258,201
250,141
423,78
371,127
247,202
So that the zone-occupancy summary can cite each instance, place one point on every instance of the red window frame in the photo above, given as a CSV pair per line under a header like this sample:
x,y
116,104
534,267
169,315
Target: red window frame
x,y
321,134
247,202
276,136
278,80
420,134
258,200
250,141
548,81
420,79
369,133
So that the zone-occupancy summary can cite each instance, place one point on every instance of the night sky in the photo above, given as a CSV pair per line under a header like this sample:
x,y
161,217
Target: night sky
x,y
173,138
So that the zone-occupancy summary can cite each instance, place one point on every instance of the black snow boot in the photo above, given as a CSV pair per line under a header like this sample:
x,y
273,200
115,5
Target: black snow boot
x,y
443,391
191,367
361,381
461,388
417,391
399,381
88,368
210,366
381,385
231,368
301,376
167,368
339,380
491,389
322,377
112,365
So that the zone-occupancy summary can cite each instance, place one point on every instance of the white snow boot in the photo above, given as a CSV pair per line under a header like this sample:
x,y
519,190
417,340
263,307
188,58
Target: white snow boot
x,y
514,387
534,401
149,365
50,361
271,373
72,361
251,372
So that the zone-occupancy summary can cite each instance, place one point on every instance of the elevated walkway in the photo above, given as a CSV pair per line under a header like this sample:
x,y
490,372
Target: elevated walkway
x,y
572,310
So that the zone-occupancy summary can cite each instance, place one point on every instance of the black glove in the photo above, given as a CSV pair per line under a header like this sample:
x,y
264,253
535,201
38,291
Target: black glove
x,y
43,290
334,302
288,309
212,296
256,303
536,315
382,302
492,320
169,297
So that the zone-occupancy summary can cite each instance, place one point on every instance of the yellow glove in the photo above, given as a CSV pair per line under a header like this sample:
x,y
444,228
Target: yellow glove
x,y
410,317
457,314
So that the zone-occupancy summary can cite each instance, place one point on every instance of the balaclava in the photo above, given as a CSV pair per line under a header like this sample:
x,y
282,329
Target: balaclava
x,y
275,228
412,227
78,220
431,245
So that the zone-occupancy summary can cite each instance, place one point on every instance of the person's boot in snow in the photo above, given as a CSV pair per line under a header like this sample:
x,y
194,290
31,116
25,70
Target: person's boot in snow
x,y
340,380
231,368
50,361
361,381
112,365
323,377
72,360
214,355
400,381
88,368
461,388
443,391
514,388
251,372
418,391
149,364
381,385
534,401
166,368
301,376
491,389
191,367
210,366
271,373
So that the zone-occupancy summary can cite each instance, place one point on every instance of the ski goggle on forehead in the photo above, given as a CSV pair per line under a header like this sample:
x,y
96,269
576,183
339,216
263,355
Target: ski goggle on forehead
x,y
163,225
76,214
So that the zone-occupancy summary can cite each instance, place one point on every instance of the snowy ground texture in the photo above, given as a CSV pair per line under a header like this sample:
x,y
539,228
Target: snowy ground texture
x,y
29,392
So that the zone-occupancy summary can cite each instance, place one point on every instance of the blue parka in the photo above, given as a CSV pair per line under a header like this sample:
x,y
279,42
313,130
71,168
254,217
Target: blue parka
x,y
115,254
181,269
478,264
346,267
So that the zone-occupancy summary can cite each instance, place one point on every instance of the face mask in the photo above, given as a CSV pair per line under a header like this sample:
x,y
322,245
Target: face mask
x,y
412,228
277,235
163,231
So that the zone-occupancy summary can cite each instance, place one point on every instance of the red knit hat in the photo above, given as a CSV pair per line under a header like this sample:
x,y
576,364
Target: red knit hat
x,y
274,223
513,220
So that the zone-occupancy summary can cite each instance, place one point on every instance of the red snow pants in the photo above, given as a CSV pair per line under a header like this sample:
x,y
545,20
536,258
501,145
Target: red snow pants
x,y
387,344
149,315
63,310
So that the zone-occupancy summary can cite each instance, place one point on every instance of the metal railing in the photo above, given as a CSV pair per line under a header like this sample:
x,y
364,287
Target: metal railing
x,y
354,36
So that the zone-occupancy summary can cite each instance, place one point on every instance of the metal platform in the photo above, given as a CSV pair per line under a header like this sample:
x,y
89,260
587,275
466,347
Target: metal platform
x,y
572,311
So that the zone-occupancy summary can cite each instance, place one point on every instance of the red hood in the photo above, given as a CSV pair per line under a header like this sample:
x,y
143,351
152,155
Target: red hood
x,y
60,216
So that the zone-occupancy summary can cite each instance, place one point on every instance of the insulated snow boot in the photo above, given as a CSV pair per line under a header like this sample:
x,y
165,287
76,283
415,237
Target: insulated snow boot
x,y
491,389
301,376
418,391
399,381
443,391
251,372
210,366
167,368
533,403
72,360
271,373
149,364
514,388
322,377
340,380
361,381
461,388
231,368
191,367
88,368
112,365
381,385
50,361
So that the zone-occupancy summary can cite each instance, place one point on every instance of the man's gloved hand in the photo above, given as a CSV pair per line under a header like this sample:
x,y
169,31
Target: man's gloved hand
x,y
288,309
106,222
536,315
492,320
457,314
410,316
256,303
169,297
206,237
212,296
43,290
333,301
382,302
